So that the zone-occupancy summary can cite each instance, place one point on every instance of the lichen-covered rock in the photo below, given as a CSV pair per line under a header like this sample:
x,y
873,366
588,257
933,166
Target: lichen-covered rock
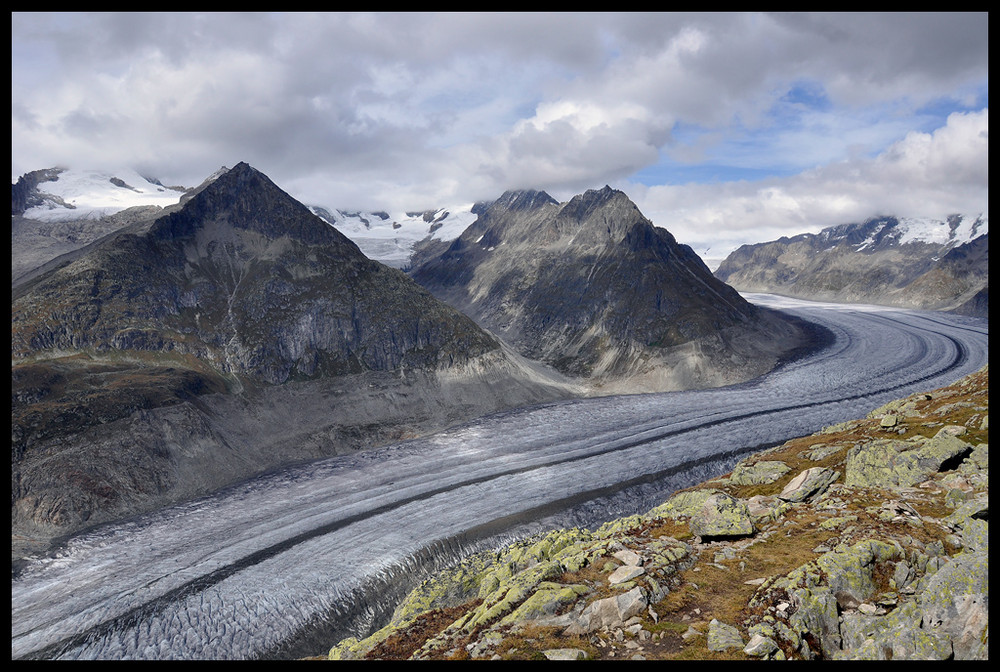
x,y
609,612
625,573
890,463
850,572
821,451
709,513
547,599
978,460
512,592
758,473
682,505
766,508
897,636
815,616
565,654
839,579
760,646
348,649
956,603
723,637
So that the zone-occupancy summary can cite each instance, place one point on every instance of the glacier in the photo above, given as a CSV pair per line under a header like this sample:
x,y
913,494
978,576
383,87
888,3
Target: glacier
x,y
285,565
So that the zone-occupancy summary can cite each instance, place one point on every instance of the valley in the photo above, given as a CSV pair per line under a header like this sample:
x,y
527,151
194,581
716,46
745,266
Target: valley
x,y
285,565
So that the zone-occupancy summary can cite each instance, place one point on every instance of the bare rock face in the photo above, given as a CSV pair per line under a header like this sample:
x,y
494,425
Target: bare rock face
x,y
593,289
234,333
912,264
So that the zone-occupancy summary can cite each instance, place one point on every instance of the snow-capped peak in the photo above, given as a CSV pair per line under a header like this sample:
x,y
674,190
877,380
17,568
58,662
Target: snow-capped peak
x,y
91,194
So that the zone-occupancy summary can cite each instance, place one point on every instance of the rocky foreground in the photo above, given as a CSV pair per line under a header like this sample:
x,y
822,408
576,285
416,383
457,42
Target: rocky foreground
x,y
867,540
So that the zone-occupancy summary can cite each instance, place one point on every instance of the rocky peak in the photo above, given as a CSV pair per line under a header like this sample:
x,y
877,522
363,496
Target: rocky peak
x,y
244,198
245,276
602,215
523,199
24,193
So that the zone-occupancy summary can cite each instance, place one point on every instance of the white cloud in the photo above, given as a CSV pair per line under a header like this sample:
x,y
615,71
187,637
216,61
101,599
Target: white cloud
x,y
922,175
413,110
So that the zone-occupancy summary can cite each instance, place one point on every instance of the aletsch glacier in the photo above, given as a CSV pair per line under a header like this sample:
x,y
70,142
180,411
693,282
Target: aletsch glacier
x,y
286,564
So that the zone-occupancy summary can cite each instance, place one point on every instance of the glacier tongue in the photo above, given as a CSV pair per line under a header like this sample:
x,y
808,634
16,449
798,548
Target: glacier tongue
x,y
274,566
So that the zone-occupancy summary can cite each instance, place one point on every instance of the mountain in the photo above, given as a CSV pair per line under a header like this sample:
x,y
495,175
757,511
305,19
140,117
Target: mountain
x,y
234,333
593,289
913,263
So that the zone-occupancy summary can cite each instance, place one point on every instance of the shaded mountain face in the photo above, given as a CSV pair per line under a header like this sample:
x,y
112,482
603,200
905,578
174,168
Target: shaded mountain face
x,y
590,287
247,279
234,333
924,264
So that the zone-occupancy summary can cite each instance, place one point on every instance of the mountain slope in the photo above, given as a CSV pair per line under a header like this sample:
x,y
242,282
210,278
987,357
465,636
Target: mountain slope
x,y
234,333
820,548
592,288
926,264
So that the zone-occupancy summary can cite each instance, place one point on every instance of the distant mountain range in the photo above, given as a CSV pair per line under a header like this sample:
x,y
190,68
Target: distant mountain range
x,y
913,263
393,239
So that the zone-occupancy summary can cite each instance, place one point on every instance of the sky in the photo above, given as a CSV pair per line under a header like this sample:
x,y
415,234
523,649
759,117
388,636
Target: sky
x,y
724,128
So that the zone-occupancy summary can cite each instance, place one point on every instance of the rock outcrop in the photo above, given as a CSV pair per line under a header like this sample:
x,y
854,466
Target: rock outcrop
x,y
823,557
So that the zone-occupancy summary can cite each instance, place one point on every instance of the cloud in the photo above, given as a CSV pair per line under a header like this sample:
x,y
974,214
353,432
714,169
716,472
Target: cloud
x,y
412,110
923,175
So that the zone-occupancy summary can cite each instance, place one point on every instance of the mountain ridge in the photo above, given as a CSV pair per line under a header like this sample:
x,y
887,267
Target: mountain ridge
x,y
925,264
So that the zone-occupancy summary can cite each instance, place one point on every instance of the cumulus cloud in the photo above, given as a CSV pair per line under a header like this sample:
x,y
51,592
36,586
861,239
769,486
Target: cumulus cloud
x,y
415,110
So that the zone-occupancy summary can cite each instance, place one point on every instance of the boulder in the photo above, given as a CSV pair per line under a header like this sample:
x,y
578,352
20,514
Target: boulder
x,y
810,482
565,654
896,636
760,646
758,473
610,612
955,602
545,601
710,513
625,573
723,637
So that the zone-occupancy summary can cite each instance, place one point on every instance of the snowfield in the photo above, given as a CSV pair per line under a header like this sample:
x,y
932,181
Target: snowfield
x,y
90,194
288,564
389,238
